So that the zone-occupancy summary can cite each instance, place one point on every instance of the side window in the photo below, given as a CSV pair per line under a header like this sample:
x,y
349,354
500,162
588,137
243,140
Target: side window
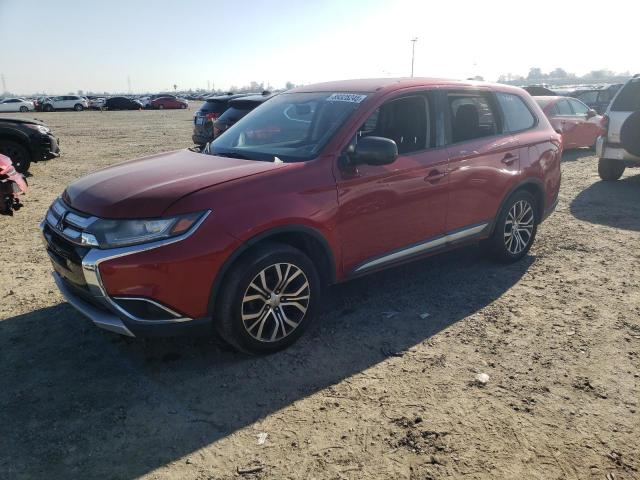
x,y
517,115
472,116
628,100
405,120
604,96
564,108
579,108
588,97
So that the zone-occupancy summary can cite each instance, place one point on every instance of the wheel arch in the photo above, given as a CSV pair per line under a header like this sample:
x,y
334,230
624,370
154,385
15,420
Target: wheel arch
x,y
306,239
532,185
16,136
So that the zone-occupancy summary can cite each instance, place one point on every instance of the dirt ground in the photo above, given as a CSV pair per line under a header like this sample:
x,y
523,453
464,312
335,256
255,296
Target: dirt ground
x,y
382,386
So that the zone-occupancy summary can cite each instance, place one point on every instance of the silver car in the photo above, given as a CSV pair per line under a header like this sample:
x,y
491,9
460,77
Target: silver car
x,y
611,148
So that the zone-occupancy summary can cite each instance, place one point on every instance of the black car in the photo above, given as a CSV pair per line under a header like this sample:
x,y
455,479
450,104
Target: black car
x,y
25,141
122,103
597,98
209,112
238,108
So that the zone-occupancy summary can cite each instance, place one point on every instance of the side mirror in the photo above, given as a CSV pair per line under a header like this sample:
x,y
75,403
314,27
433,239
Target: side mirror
x,y
375,151
591,113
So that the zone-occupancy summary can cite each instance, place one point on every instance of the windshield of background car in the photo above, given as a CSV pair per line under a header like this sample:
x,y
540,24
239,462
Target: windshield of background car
x,y
290,126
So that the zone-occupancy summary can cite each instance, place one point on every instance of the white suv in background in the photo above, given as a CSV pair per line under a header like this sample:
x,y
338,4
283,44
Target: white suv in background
x,y
620,146
65,102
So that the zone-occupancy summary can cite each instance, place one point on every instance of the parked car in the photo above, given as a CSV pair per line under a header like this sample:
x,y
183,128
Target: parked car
x,y
12,185
579,125
65,102
618,148
16,105
168,102
25,141
598,98
237,109
209,112
122,103
96,103
318,185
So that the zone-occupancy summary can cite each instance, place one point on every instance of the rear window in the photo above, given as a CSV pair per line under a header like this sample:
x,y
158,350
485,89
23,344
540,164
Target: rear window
x,y
214,106
516,114
233,114
628,99
588,97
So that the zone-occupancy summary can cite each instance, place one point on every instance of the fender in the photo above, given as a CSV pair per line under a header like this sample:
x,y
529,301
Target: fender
x,y
15,134
265,235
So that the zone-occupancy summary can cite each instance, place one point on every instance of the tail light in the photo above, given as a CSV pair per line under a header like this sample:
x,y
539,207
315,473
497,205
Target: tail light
x,y
212,116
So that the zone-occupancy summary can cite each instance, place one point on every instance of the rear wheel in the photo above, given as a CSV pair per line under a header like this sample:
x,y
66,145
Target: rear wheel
x,y
515,228
18,154
78,107
268,299
610,170
161,107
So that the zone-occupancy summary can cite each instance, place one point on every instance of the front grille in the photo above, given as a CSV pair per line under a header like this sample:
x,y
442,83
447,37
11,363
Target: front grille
x,y
62,231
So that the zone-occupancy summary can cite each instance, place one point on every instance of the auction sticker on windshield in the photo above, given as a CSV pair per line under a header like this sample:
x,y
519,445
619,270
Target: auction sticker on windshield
x,y
346,97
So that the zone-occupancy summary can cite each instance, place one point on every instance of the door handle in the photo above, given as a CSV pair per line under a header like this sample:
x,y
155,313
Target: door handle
x,y
435,176
509,158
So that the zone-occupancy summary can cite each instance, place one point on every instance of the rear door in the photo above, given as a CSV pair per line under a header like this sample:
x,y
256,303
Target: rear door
x,y
483,159
391,212
568,124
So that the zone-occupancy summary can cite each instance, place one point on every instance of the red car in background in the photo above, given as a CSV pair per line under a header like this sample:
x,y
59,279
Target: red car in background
x,y
168,102
579,125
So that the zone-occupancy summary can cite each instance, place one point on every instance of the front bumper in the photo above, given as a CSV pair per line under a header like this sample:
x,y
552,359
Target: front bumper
x,y
46,147
79,279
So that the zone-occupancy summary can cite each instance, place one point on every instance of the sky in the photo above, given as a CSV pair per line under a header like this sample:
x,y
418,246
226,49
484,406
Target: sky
x,y
64,46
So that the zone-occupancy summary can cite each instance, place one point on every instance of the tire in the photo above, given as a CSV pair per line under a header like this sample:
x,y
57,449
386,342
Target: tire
x,y
183,106
19,155
504,245
255,324
610,170
78,107
24,109
48,108
160,107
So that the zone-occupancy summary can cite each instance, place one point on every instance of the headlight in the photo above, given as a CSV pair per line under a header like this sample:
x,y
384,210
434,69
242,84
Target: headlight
x,y
40,128
120,233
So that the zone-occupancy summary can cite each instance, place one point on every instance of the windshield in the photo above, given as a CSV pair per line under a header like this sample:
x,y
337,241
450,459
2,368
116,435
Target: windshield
x,y
290,126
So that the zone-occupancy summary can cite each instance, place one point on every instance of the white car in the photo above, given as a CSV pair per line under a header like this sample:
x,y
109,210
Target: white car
x,y
65,102
616,152
16,105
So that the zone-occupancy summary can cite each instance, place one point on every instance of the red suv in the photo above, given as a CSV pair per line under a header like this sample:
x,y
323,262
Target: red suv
x,y
316,186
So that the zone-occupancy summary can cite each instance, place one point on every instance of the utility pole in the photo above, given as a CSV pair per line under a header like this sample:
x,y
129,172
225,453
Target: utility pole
x,y
4,84
413,53
129,83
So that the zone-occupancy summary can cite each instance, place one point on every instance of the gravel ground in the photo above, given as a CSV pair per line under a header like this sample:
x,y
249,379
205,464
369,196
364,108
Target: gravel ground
x,y
381,387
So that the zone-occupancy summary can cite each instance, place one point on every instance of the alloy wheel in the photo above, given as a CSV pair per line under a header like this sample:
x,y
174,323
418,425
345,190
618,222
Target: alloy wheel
x,y
518,227
275,302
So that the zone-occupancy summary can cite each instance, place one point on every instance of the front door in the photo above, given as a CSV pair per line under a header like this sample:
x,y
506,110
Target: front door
x,y
387,212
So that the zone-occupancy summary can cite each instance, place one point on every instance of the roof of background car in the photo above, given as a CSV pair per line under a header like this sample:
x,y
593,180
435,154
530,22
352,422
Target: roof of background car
x,y
224,98
545,101
367,85
256,98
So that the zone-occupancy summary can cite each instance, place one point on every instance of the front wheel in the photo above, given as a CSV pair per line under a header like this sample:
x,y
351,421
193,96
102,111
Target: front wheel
x,y
610,170
77,107
24,109
515,228
268,299
160,107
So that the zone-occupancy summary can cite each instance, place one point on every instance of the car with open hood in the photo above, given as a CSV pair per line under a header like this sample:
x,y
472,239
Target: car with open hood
x,y
317,185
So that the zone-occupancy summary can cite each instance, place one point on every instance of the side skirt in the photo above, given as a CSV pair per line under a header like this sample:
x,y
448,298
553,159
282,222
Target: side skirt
x,y
432,245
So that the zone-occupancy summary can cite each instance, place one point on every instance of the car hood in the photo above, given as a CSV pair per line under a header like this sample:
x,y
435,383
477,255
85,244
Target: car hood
x,y
146,187
21,120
